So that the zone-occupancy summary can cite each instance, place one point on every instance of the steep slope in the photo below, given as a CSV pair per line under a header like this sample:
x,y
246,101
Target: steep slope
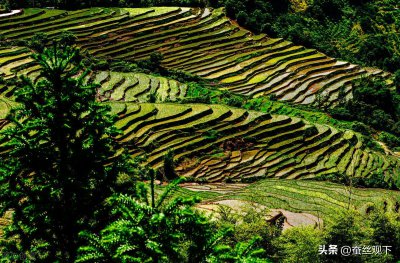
x,y
210,142
199,41
219,143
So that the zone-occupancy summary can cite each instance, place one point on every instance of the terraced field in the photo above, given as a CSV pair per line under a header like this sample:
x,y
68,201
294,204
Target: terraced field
x,y
115,86
199,41
215,143
137,87
321,199
232,144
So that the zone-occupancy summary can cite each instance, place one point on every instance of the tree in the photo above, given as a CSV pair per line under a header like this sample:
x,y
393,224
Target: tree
x,y
67,38
57,171
299,244
242,18
169,166
346,230
38,42
385,225
374,103
150,228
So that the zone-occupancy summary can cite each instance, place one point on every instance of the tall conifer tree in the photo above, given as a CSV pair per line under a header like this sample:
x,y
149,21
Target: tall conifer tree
x,y
57,172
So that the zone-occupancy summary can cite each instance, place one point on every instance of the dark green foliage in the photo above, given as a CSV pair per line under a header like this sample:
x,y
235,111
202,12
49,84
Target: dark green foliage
x,y
57,172
255,14
121,66
249,222
391,140
169,166
341,113
299,244
385,230
370,143
149,228
375,104
99,64
152,97
361,128
38,42
396,80
182,76
373,96
311,131
374,180
2,40
242,18
153,63
241,252
321,9
67,38
273,97
345,231
199,93
212,135
378,225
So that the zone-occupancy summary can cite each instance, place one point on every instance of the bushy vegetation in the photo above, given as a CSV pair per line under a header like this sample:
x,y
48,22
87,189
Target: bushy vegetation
x,y
150,228
201,94
374,180
374,104
249,221
350,228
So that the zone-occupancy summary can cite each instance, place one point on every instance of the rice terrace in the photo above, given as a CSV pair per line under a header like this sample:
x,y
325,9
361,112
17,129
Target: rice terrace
x,y
282,119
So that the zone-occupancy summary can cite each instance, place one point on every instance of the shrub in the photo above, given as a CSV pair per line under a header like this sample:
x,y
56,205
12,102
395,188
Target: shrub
x,y
169,166
391,140
369,142
152,97
299,244
247,222
38,41
124,66
361,128
99,64
212,135
396,80
67,38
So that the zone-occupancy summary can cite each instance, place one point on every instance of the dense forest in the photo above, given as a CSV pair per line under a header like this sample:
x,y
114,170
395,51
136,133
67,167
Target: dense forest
x,y
180,130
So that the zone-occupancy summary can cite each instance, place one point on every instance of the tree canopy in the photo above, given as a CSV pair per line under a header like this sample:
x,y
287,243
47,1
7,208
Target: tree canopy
x,y
57,171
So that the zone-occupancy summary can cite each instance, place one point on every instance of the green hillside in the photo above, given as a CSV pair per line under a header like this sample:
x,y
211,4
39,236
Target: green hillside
x,y
244,119
199,41
233,144
219,143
